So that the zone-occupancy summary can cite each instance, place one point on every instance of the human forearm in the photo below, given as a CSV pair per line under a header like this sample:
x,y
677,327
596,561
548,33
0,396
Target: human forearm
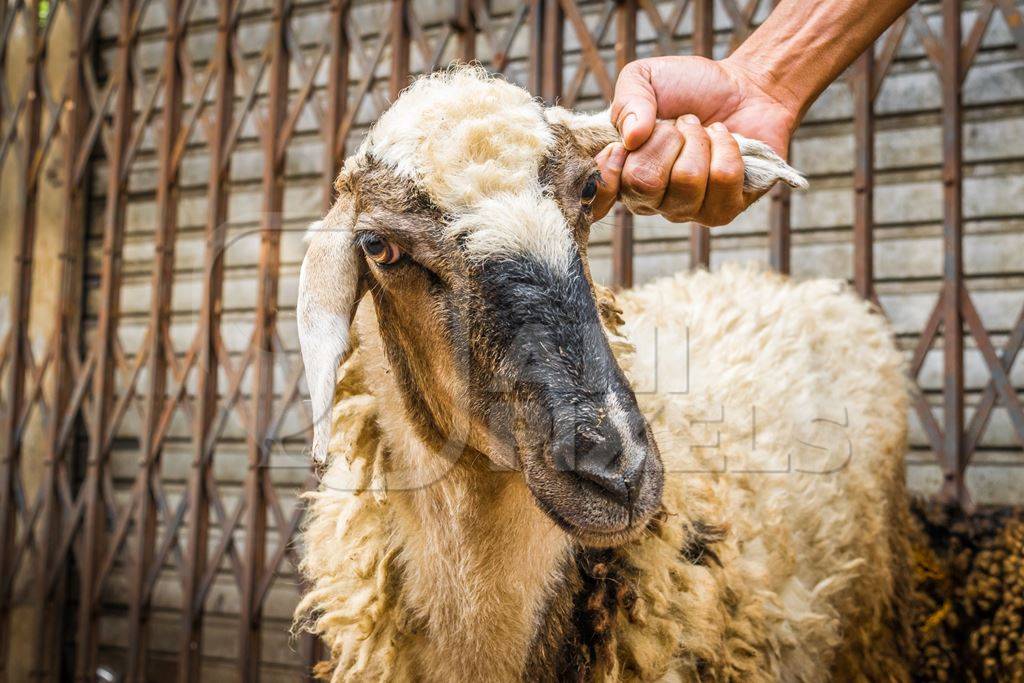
x,y
805,44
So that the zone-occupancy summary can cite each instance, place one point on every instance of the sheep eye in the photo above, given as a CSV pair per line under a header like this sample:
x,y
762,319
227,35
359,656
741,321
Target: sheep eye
x,y
381,251
589,193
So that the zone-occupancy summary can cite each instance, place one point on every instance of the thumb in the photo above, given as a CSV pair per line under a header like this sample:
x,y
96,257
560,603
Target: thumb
x,y
634,109
609,163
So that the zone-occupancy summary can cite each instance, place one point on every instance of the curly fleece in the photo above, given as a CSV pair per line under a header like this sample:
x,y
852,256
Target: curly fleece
x,y
780,553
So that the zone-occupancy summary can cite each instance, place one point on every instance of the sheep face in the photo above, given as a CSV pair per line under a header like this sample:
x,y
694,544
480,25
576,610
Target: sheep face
x,y
503,352
465,214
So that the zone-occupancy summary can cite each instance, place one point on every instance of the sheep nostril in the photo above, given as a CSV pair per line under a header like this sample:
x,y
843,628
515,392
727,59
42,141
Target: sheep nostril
x,y
608,480
633,477
640,433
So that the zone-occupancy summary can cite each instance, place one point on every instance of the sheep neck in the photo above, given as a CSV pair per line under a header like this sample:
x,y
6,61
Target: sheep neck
x,y
479,561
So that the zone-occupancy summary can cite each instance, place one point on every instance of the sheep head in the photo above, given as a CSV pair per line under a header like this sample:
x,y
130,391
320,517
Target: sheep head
x,y
465,214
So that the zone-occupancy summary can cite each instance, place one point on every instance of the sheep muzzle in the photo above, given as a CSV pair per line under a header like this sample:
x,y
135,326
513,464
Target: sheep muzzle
x,y
585,449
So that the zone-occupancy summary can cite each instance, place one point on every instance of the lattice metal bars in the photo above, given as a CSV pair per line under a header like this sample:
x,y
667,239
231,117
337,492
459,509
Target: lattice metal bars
x,y
93,522
82,388
30,107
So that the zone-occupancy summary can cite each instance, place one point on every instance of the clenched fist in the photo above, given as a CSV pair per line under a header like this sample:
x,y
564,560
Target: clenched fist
x,y
678,157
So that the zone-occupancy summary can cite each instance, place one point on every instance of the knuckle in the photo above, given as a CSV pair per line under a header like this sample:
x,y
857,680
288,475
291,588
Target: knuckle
x,y
638,68
721,134
672,134
631,69
645,180
688,179
692,126
696,135
683,202
727,173
699,131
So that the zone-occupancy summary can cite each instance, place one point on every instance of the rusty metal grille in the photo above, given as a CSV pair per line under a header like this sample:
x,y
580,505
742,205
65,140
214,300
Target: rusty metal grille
x,y
152,401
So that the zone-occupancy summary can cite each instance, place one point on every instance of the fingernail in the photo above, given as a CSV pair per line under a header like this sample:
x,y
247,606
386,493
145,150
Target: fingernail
x,y
691,119
603,154
719,127
628,123
617,157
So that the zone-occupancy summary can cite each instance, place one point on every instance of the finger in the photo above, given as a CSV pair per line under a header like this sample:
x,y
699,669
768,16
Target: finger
x,y
634,107
689,178
609,163
645,175
723,200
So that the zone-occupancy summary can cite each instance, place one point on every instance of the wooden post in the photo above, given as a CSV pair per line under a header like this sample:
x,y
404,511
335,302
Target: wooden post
x,y
47,653
622,233
779,233
399,47
864,175
953,490
337,99
466,26
551,61
535,21
703,45
779,228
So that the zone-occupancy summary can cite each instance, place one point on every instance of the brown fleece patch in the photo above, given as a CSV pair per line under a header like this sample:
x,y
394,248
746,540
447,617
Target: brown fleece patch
x,y
698,545
564,172
577,640
377,186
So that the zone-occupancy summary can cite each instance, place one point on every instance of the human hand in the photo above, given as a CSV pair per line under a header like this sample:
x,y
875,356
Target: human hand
x,y
687,166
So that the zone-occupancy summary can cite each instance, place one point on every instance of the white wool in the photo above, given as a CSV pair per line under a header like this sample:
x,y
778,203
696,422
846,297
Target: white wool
x,y
517,224
793,417
779,410
807,585
463,136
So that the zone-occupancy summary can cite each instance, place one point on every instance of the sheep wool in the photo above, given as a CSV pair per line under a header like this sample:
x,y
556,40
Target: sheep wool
x,y
780,552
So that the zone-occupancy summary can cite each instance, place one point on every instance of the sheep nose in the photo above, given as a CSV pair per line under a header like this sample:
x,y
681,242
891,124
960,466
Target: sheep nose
x,y
608,481
607,465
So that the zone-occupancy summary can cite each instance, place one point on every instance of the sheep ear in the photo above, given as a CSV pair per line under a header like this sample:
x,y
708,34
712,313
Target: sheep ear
x,y
328,293
593,132
762,166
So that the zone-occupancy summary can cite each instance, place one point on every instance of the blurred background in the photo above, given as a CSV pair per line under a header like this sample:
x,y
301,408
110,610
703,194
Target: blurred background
x,y
160,159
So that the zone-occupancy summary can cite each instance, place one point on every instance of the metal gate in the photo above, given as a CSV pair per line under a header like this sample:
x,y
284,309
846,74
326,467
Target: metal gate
x,y
121,544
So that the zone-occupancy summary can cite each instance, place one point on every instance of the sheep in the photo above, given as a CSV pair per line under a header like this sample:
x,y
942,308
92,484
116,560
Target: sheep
x,y
533,478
